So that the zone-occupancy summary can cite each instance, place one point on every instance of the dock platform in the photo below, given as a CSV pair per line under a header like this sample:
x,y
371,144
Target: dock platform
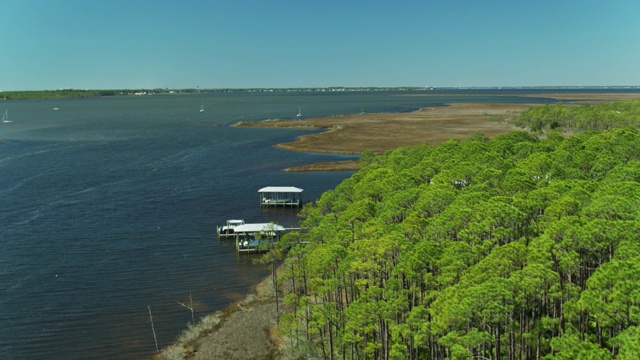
x,y
228,230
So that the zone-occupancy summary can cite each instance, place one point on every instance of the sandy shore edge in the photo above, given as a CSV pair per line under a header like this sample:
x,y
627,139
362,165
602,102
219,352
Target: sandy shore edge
x,y
247,329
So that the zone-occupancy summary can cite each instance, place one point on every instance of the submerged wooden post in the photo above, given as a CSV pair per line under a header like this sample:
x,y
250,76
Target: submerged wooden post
x,y
153,329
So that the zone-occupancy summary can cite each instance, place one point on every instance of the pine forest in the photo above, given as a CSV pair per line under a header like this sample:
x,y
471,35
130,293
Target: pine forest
x,y
519,247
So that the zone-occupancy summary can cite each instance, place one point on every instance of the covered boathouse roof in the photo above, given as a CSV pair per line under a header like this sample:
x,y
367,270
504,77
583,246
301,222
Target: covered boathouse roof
x,y
247,228
280,189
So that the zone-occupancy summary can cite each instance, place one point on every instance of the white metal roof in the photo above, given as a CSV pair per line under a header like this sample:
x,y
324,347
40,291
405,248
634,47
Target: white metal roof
x,y
281,189
258,227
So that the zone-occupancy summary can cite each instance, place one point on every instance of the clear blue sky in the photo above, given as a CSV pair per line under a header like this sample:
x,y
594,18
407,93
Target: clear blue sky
x,y
107,44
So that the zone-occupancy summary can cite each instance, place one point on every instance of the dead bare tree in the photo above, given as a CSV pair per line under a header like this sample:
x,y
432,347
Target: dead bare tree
x,y
193,320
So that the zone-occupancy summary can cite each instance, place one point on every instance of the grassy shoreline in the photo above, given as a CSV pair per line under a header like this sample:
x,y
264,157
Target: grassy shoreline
x,y
353,134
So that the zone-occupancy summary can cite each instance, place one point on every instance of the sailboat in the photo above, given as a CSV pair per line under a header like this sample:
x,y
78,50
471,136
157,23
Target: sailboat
x,y
5,117
202,107
299,112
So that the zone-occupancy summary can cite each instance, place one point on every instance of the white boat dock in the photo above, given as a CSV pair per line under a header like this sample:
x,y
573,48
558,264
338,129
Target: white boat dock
x,y
260,237
280,196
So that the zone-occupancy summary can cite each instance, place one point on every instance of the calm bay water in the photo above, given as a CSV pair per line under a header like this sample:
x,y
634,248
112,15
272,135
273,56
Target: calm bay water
x,y
109,205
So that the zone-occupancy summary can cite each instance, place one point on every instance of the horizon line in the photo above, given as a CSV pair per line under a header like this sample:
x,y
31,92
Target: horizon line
x,y
413,87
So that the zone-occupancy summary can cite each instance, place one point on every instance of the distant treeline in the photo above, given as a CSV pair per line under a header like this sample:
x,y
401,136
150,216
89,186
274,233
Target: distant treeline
x,y
55,94
73,93
581,117
514,248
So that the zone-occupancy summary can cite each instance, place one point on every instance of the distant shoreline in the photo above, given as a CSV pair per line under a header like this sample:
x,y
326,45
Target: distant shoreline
x,y
425,91
93,93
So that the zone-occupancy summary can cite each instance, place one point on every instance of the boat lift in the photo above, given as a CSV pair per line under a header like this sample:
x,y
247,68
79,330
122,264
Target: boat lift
x,y
253,238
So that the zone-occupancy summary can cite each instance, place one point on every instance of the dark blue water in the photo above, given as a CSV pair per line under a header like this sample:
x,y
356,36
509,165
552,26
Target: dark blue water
x,y
109,205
